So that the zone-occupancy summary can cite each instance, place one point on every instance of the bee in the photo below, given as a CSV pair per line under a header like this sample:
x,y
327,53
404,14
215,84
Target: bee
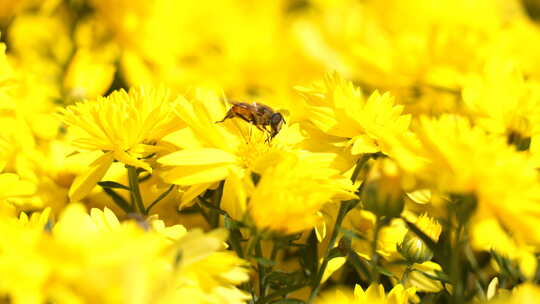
x,y
261,116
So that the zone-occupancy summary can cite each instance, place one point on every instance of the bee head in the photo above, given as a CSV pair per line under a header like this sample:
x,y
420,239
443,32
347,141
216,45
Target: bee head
x,y
276,121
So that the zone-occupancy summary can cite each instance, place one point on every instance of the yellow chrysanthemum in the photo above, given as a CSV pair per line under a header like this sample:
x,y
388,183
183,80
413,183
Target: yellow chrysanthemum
x,y
374,295
488,234
14,190
97,258
419,50
523,294
455,157
503,102
340,109
289,194
228,151
127,127
89,75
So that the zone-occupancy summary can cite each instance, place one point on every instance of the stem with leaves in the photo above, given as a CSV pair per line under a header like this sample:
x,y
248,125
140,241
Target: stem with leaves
x,y
344,208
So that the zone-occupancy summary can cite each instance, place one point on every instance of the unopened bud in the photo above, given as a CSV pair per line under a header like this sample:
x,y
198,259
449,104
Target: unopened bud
x,y
414,249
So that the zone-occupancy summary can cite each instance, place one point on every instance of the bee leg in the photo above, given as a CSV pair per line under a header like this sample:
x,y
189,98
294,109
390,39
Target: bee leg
x,y
230,114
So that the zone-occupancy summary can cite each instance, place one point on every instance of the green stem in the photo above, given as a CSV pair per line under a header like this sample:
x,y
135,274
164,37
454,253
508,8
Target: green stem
x,y
216,202
343,209
204,214
275,249
359,166
374,254
405,276
234,240
136,198
279,293
456,267
261,269
469,254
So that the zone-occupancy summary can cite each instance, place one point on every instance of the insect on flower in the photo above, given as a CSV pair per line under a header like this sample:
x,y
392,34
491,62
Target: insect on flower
x,y
258,114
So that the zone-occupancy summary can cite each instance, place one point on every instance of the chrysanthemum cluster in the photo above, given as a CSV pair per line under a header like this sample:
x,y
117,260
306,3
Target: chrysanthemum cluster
x,y
316,151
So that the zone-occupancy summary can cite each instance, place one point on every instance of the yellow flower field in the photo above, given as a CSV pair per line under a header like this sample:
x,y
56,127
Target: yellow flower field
x,y
258,152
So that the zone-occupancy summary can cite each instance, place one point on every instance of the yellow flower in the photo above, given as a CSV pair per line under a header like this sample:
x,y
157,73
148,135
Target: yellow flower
x,y
12,186
14,191
127,127
418,50
95,257
289,194
374,295
212,152
340,109
455,157
22,259
522,294
502,102
488,234
89,74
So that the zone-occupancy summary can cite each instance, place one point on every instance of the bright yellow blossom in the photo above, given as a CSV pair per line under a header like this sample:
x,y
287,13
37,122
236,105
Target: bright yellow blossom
x,y
522,294
502,102
340,109
289,194
127,127
95,257
229,151
456,157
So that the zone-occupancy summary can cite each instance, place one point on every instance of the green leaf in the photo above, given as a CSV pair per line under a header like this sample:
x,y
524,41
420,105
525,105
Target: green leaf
x,y
359,265
335,252
210,206
265,262
309,257
440,276
352,234
113,185
278,280
159,198
381,270
230,223
119,200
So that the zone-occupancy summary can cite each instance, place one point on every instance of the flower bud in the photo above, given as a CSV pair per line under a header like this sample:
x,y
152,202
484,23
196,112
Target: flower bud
x,y
414,249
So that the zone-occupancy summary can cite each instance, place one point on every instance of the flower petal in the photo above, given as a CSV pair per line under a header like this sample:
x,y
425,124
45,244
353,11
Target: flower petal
x,y
193,191
333,265
84,183
192,175
202,156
